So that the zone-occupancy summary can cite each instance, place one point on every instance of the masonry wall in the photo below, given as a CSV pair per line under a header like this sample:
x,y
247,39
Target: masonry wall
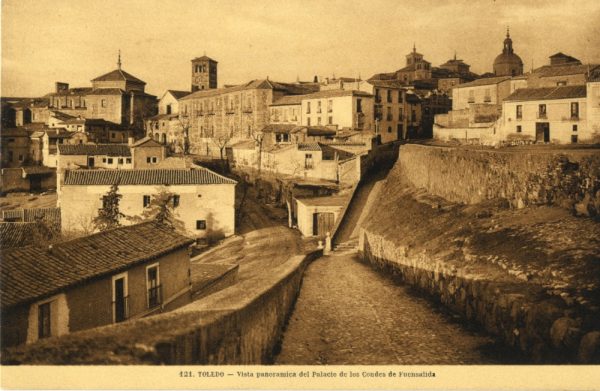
x,y
11,180
545,176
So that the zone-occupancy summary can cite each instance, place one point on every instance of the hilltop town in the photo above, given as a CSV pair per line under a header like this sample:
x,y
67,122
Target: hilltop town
x,y
138,212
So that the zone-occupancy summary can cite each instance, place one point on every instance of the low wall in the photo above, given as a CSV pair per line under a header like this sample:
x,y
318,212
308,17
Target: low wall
x,y
561,177
542,330
239,325
13,180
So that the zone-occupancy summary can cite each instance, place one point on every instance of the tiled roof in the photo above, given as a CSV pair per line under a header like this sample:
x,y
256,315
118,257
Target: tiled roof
x,y
14,132
196,176
548,93
62,116
387,83
336,93
329,152
203,58
280,128
179,94
72,91
95,149
176,163
16,234
309,146
251,85
320,131
288,100
31,273
563,70
59,133
484,81
146,140
245,144
163,116
117,75
382,76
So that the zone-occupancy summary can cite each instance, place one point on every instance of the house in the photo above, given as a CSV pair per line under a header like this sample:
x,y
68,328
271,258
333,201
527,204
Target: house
x,y
317,216
548,114
146,153
339,109
491,91
16,147
108,277
72,156
286,110
203,201
169,101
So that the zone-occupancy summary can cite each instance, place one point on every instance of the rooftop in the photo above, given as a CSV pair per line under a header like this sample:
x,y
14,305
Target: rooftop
x,y
564,69
31,273
484,81
548,93
146,140
288,100
118,75
193,176
287,88
94,149
16,234
336,200
335,93
178,94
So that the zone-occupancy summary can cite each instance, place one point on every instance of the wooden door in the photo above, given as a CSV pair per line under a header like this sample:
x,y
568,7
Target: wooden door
x,y
325,223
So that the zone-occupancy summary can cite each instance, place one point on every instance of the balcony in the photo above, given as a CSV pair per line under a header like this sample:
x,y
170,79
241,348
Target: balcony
x,y
247,109
471,100
120,309
155,296
542,116
487,99
230,110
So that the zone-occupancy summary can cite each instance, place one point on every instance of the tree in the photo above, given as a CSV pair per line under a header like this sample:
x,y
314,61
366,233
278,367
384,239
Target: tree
x,y
185,123
162,209
109,215
221,142
258,138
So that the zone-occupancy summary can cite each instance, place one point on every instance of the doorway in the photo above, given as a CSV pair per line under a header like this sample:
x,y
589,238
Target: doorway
x,y
323,223
120,307
542,132
91,162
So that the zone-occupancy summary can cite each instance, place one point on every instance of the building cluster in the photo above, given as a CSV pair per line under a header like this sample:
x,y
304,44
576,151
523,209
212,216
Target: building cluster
x,y
316,138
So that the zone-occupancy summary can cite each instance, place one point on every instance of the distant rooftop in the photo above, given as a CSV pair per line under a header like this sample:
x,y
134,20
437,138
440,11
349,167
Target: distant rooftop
x,y
548,93
95,149
484,82
194,176
118,75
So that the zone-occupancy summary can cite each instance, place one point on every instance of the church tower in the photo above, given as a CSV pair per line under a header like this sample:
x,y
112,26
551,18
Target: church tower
x,y
204,73
508,63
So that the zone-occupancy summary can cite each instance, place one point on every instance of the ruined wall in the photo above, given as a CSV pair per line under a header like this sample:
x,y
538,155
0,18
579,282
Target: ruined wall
x,y
542,330
559,177
238,325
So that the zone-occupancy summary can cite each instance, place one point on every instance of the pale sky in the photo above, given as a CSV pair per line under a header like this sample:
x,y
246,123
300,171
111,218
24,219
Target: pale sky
x,y
44,41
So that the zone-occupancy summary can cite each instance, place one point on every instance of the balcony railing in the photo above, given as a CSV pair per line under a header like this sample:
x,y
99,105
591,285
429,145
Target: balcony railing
x,y
121,309
155,296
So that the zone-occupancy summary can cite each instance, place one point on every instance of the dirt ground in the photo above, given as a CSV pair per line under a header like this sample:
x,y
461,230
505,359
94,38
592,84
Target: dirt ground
x,y
28,200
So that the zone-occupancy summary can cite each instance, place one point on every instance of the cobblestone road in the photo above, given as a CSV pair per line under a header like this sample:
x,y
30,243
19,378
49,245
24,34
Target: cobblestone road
x,y
348,313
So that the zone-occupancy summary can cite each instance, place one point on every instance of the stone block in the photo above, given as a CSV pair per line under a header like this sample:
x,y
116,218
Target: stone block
x,y
589,348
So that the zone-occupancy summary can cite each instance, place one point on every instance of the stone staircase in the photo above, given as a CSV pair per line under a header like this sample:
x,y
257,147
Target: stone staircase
x,y
348,246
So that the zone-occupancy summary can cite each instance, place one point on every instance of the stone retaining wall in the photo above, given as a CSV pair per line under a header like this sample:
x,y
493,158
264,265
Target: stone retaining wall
x,y
242,324
544,330
560,177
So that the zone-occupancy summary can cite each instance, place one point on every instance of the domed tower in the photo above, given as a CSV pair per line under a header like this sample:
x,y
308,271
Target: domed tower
x,y
508,63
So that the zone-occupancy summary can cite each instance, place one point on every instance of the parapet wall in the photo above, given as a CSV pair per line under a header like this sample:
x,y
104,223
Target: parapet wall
x,y
550,176
539,329
242,324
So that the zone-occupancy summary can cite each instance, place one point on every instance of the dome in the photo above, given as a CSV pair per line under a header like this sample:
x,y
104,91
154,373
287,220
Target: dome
x,y
508,63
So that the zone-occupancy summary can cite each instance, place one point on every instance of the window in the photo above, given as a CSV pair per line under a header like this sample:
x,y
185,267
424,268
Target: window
x,y
176,199
389,129
319,121
542,111
330,120
574,109
574,128
44,321
120,160
153,286
146,201
329,106
389,96
113,135
574,138
488,97
318,106
120,298
377,96
151,159
400,99
400,114
20,158
307,107
359,105
390,116
105,202
519,129
110,160
128,160
103,160
200,224
519,111
308,162
308,121
103,103
471,96
561,83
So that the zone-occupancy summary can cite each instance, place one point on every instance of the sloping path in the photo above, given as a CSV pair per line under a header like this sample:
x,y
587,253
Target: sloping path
x,y
347,314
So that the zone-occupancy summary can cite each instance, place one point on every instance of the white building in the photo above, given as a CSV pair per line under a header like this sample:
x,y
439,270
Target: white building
x,y
203,200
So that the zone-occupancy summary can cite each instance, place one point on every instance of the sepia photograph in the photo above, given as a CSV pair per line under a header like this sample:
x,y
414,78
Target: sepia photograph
x,y
300,194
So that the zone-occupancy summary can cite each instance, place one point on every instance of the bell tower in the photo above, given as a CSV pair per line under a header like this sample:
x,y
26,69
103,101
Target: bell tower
x,y
204,73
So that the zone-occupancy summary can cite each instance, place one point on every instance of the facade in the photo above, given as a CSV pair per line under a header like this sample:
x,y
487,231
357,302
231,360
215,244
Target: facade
x,y
105,278
16,147
205,200
547,114
317,216
204,73
147,153
231,114
169,102
417,68
287,110
338,109
561,72
490,91
508,63
397,111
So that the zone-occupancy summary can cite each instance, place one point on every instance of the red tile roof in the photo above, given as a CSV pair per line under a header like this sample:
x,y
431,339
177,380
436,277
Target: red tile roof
x,y
194,176
16,234
31,273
